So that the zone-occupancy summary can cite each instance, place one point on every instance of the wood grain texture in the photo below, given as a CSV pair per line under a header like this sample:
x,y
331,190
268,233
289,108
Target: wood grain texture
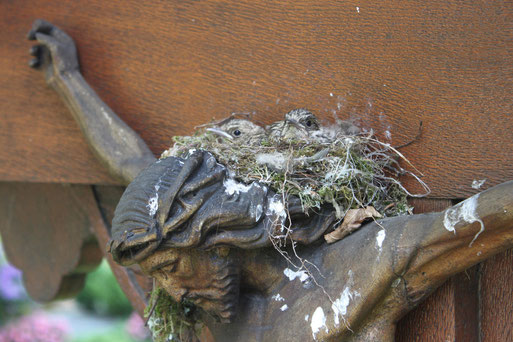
x,y
167,66
497,298
451,313
466,305
432,321
47,232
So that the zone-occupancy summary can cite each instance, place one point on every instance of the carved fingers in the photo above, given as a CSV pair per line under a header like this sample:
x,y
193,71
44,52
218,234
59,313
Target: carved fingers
x,y
44,27
55,54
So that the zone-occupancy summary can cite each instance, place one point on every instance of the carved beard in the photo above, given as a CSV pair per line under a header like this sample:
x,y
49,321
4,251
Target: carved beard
x,y
221,298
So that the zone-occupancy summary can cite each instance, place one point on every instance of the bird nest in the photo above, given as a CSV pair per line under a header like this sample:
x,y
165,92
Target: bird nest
x,y
326,166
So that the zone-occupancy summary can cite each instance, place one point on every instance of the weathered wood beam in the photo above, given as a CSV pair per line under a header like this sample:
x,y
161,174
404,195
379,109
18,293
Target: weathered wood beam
x,y
166,67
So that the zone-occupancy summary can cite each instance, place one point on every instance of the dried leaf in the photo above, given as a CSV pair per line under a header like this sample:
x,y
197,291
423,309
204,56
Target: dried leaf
x,y
352,221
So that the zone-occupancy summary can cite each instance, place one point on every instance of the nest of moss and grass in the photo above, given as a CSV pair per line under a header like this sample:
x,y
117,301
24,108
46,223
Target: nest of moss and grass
x,y
348,172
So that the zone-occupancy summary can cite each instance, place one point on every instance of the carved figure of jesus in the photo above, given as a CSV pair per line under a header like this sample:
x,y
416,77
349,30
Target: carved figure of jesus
x,y
207,245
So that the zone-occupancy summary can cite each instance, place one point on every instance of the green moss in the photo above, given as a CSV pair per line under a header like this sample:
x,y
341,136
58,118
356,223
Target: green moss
x,y
170,321
353,174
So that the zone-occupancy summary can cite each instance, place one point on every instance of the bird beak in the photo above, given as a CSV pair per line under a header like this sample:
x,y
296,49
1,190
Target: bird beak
x,y
220,132
295,123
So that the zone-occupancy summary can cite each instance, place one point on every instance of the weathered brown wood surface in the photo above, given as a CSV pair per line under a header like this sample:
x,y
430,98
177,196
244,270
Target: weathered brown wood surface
x,y
55,234
497,298
167,66
48,233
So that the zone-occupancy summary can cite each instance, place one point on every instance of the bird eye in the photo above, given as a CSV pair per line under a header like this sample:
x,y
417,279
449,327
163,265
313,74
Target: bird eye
x,y
308,123
236,132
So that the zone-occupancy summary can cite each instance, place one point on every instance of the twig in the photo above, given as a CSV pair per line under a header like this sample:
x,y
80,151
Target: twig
x,y
417,137
153,306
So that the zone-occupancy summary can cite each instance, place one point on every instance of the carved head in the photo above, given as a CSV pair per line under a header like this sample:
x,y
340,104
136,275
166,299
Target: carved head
x,y
176,216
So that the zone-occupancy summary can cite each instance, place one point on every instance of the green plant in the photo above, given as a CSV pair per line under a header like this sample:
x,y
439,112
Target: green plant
x,y
103,295
170,321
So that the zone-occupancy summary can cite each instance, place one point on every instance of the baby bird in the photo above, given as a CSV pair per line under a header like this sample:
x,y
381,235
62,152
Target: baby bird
x,y
331,133
298,124
347,127
239,131
230,130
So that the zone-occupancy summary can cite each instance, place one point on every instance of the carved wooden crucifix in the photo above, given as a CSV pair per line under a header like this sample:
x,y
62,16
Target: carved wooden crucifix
x,y
220,257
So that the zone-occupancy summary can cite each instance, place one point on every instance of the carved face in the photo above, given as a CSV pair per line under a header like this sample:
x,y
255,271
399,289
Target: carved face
x,y
204,278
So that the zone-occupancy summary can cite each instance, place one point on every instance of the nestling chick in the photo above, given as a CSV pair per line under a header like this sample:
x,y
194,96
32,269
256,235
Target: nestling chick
x,y
331,133
231,131
239,131
298,124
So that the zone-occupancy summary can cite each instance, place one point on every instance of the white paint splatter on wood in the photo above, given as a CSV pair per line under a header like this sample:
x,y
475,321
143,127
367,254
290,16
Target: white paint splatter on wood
x,y
258,212
233,187
318,322
380,237
477,184
463,212
276,212
153,202
341,304
277,297
302,275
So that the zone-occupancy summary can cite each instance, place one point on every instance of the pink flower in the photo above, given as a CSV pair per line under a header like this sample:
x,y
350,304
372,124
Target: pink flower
x,y
34,328
135,327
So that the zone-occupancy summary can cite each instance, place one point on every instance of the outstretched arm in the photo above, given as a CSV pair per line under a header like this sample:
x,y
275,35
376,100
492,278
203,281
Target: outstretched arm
x,y
115,144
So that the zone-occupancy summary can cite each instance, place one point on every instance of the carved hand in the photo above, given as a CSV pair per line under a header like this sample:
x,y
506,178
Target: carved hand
x,y
117,146
56,53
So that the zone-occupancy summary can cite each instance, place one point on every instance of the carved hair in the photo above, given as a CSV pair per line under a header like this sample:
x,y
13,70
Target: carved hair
x,y
179,203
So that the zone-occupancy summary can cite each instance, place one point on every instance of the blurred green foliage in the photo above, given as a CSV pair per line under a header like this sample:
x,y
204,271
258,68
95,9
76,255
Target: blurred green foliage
x,y
102,294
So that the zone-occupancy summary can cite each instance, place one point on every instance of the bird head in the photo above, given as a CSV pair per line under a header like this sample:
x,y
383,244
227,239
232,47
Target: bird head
x,y
302,119
239,131
298,123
